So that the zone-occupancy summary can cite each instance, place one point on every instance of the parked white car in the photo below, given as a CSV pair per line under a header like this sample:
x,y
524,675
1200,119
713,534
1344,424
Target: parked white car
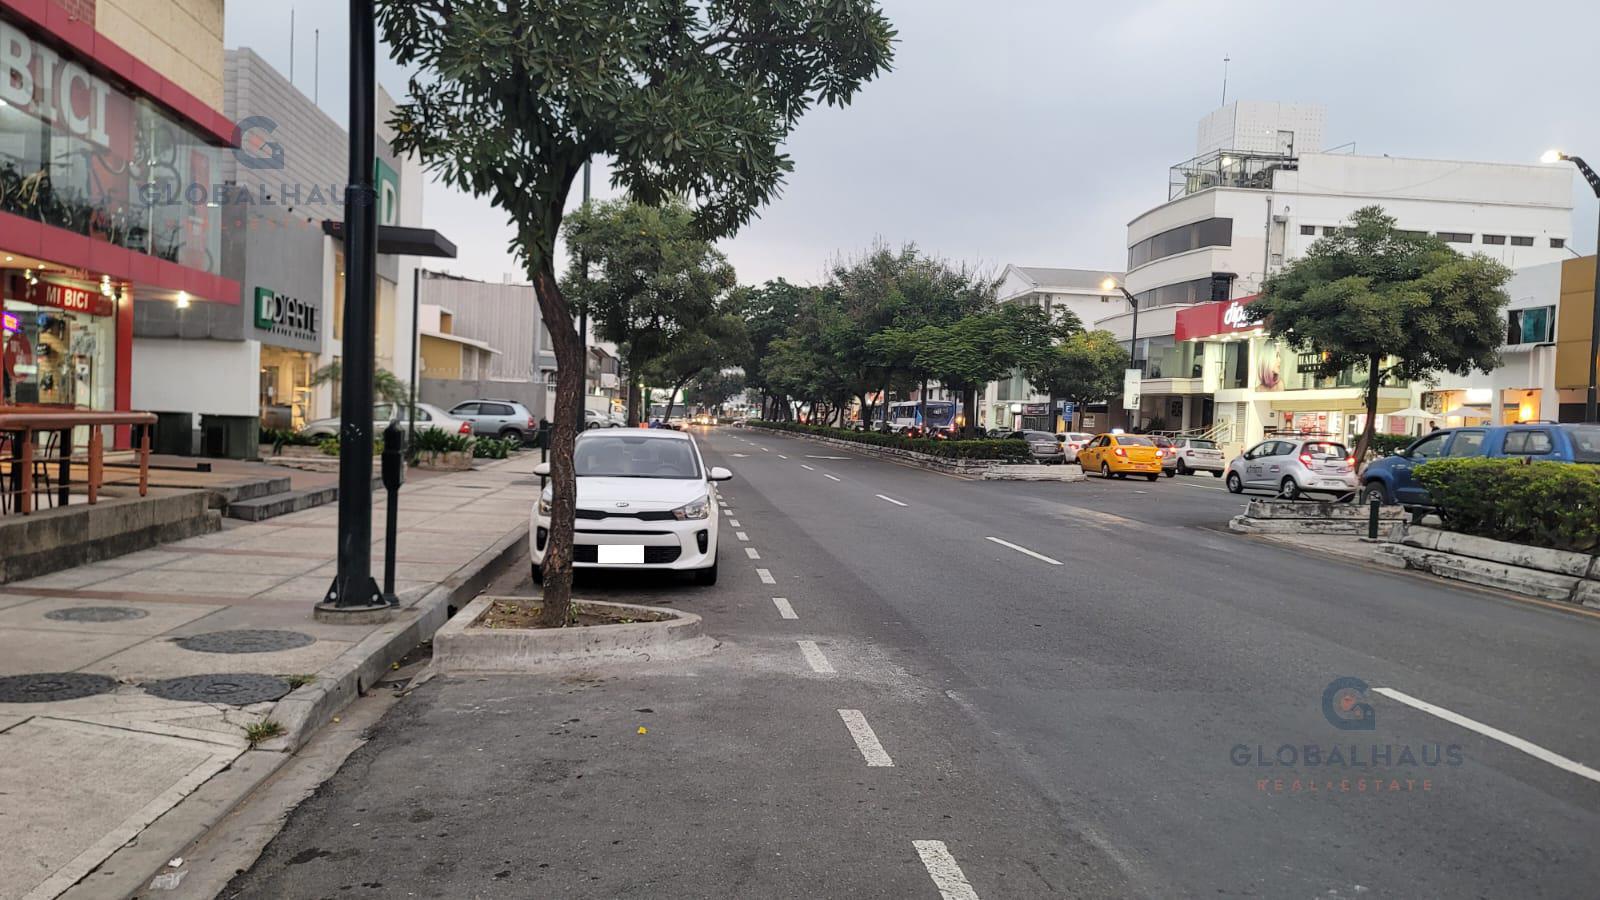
x,y
428,417
646,500
1198,455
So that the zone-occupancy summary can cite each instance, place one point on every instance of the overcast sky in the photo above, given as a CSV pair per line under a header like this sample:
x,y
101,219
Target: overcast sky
x,y
1032,131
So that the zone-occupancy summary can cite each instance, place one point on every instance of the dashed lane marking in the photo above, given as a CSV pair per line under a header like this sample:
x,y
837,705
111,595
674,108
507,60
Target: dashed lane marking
x,y
891,500
945,871
785,611
766,577
741,536
834,477
751,552
866,740
807,468
1021,549
814,658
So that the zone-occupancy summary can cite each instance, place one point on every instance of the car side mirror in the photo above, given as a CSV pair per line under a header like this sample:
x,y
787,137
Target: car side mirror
x,y
542,470
718,473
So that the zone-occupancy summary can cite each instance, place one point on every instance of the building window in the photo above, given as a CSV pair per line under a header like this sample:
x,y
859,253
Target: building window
x,y
1521,241
1200,290
1308,229
1330,230
1557,243
1531,326
1455,237
1205,233
1494,240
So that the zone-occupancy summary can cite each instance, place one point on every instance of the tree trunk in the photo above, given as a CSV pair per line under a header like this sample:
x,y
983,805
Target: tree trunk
x,y
556,608
633,393
969,399
1373,382
866,410
674,398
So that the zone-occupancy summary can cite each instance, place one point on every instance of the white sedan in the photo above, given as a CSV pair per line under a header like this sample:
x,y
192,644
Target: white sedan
x,y
646,500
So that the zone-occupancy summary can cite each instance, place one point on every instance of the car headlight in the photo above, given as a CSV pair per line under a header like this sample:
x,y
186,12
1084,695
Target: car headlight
x,y
545,499
698,509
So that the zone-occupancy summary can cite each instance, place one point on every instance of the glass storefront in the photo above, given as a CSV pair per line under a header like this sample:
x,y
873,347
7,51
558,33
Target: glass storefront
x,y
57,356
286,392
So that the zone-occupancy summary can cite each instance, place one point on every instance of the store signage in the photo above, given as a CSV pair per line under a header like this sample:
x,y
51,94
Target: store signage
x,y
38,81
1234,316
285,315
1132,381
1036,409
71,296
1220,317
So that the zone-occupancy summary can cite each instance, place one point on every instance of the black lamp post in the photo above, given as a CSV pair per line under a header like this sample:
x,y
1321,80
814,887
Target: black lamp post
x,y
1130,415
1590,413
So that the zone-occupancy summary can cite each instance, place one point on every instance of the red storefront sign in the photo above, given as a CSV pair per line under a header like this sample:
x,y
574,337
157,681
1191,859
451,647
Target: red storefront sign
x,y
1208,319
62,294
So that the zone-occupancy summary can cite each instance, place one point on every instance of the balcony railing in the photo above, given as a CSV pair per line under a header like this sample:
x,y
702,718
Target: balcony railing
x,y
1227,168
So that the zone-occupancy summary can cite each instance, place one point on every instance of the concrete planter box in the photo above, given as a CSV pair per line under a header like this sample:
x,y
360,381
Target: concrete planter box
x,y
1311,517
1034,473
974,468
462,646
449,461
121,522
1556,575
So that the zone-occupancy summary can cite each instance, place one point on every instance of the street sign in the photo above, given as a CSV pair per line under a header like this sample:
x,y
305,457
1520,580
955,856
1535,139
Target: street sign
x,y
1131,380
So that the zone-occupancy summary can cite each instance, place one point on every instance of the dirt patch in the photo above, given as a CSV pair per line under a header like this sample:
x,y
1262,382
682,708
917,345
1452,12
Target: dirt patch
x,y
511,614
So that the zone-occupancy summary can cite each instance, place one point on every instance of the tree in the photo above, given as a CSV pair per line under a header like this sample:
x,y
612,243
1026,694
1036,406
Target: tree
x,y
687,99
769,312
711,346
1085,368
386,386
651,279
1402,303
971,352
713,389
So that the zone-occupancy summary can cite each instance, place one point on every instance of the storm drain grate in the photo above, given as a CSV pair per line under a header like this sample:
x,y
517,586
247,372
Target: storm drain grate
x,y
96,614
246,641
240,689
52,686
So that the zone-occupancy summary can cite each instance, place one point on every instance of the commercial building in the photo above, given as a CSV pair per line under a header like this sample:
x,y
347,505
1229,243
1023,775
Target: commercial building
x,y
104,121
1014,403
1256,198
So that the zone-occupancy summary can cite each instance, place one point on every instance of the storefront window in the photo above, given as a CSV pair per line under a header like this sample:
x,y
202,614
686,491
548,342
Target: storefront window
x,y
78,154
1235,365
286,392
56,356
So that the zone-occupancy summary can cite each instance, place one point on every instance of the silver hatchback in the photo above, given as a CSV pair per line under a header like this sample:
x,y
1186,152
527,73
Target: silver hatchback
x,y
1293,466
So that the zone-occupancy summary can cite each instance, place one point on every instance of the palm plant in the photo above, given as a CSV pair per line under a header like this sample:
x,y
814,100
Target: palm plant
x,y
386,386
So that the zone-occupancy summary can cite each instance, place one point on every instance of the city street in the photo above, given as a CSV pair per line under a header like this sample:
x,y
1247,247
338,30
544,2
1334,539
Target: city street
x,y
934,687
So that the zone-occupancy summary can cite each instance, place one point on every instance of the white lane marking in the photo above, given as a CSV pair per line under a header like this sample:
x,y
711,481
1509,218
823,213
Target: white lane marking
x,y
891,500
809,456
866,740
807,468
814,658
1510,740
945,872
739,455
785,611
766,450
751,552
741,536
1201,487
781,456
826,475
766,577
1021,549
726,511
734,523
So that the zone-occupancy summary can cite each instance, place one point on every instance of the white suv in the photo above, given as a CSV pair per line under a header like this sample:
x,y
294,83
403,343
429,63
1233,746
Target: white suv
x,y
1198,455
1295,465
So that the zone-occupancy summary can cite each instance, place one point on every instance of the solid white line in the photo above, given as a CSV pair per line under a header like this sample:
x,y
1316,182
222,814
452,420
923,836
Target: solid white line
x,y
866,740
1201,487
1020,549
734,523
751,552
766,577
1510,740
826,475
814,658
891,500
741,536
785,611
945,872
807,468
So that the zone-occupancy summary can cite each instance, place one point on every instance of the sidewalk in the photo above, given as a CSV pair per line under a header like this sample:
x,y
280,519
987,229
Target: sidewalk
x,y
80,778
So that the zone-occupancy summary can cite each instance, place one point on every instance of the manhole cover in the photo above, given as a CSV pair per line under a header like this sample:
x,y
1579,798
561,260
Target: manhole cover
x,y
239,690
96,614
249,641
52,686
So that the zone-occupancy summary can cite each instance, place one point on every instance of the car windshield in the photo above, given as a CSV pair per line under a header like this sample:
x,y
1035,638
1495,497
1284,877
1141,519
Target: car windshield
x,y
1203,445
1585,444
634,456
1134,440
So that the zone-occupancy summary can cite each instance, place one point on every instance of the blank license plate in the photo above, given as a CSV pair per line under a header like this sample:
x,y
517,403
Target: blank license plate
x,y
619,554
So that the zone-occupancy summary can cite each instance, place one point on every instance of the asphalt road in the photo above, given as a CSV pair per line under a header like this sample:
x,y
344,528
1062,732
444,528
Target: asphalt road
x,y
1079,690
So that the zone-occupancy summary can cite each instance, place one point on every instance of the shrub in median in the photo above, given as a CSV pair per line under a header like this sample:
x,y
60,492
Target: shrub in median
x,y
979,449
1390,444
1544,504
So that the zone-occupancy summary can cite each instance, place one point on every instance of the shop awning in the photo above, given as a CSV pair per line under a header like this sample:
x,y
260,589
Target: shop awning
x,y
394,240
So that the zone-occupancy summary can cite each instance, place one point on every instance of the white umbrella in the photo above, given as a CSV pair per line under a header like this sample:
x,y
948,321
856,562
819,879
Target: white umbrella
x,y
1413,412
1476,412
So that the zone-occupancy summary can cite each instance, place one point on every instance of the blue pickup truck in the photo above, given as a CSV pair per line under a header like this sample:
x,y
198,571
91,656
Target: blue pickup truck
x,y
1392,479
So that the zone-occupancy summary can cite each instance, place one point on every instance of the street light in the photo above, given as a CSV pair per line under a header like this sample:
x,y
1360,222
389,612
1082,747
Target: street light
x,y
1590,413
1133,342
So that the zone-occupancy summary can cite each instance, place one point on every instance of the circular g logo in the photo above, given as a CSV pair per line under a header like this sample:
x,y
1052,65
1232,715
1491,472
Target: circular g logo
x,y
249,149
1344,706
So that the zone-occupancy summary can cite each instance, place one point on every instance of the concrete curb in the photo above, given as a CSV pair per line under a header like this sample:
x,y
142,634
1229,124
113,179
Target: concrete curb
x,y
1035,473
458,647
1547,574
1310,517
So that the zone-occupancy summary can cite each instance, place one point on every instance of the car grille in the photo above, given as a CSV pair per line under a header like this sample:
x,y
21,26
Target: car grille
x,y
586,553
653,515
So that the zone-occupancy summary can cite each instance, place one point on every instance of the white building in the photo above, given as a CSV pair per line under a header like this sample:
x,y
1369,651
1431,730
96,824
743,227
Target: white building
x,y
1082,292
1238,213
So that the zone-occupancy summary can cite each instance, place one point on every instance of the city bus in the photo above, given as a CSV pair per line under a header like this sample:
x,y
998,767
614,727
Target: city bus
x,y
906,416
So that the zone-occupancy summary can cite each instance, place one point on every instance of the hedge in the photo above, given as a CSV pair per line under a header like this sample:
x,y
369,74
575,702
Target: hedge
x,y
980,449
1544,504
1390,444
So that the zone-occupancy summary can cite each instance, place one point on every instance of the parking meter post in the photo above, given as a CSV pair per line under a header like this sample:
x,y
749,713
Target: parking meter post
x,y
1372,518
394,475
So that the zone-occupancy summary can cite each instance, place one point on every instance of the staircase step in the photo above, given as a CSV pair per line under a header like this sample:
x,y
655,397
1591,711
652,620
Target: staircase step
x,y
257,508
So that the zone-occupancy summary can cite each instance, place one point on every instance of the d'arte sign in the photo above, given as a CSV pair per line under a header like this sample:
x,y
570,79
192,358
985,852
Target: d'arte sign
x,y
285,315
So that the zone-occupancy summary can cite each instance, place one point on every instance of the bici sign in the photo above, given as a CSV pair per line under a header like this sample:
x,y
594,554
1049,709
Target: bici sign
x,y
285,315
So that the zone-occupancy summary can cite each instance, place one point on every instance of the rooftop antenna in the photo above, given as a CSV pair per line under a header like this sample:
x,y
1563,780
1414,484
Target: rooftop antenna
x,y
291,45
1225,61
316,63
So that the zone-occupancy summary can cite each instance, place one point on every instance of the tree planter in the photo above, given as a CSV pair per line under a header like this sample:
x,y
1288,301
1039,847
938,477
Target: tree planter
x,y
974,468
465,645
1311,517
449,461
1557,575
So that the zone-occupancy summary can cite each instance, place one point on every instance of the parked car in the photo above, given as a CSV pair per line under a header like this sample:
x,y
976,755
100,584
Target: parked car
x,y
593,419
1042,446
1169,454
646,500
1392,479
428,417
1193,455
1293,466
1121,455
497,418
1071,442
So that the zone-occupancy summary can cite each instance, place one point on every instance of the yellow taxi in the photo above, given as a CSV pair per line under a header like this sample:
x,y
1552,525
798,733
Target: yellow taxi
x,y
1121,455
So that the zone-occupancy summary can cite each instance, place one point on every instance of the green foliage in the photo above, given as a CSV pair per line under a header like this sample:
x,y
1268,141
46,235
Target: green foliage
x,y
1390,444
330,445
1545,504
1087,367
712,345
387,387
713,388
494,448
1401,304
286,437
436,440
978,449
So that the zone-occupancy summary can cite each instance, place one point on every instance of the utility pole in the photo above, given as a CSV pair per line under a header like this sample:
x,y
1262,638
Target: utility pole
x,y
354,597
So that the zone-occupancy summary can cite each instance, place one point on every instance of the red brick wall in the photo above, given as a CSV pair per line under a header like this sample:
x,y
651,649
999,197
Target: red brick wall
x,y
81,10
